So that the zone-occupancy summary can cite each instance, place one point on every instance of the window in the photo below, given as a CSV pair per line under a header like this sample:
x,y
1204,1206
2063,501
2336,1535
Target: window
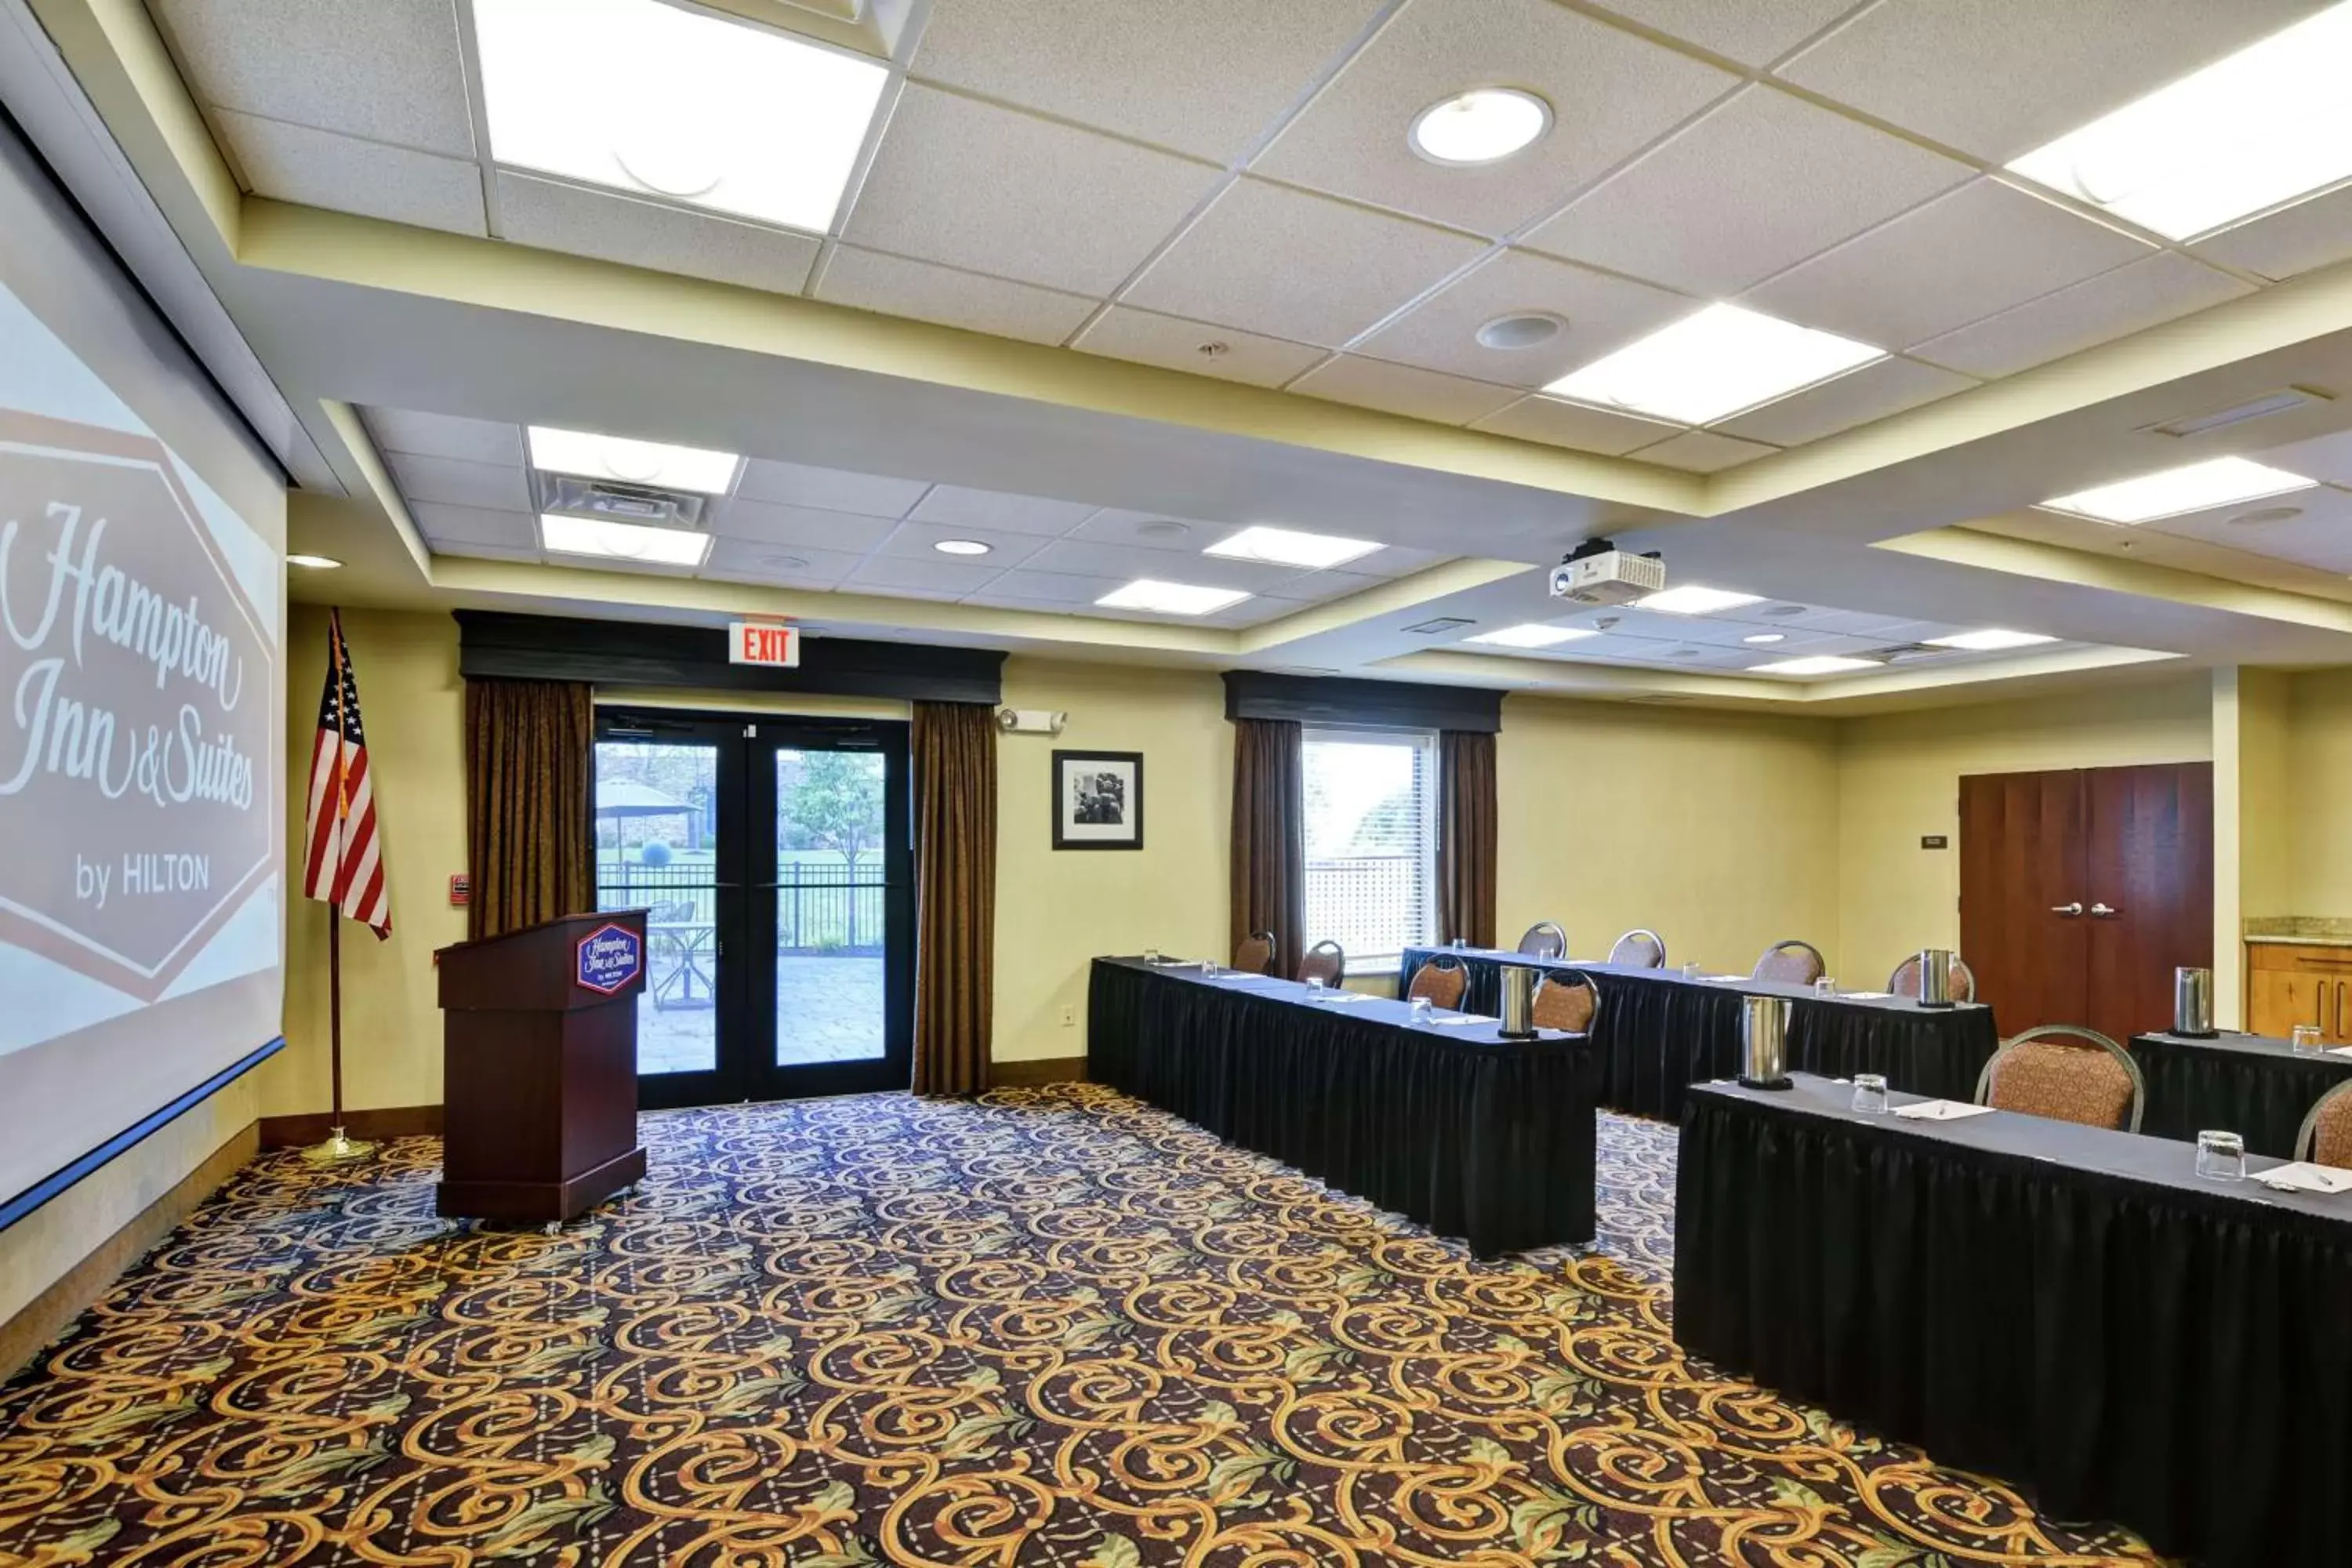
x,y
1370,815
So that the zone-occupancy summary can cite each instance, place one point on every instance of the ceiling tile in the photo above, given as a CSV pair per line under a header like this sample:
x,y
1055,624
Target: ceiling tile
x,y
1557,423
1263,257
445,435
1753,32
388,71
1983,248
768,523
918,541
611,226
473,525
958,506
1873,391
1149,338
2325,457
1611,93
1754,187
454,483
1602,313
1703,452
1151,530
977,186
472,551
1054,590
1083,558
321,169
2319,536
938,574
2149,291
1205,76
1402,389
2291,241
829,489
1999,78
746,560
897,287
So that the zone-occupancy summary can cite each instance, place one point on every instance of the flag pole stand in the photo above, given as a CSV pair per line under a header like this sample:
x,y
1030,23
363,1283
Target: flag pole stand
x,y
337,1147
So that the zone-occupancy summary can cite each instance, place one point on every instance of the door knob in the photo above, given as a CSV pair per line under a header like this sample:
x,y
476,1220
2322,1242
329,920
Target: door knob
x,y
2103,913
2068,909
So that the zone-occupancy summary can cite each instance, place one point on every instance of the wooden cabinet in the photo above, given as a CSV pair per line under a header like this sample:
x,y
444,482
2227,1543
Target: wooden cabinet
x,y
2295,982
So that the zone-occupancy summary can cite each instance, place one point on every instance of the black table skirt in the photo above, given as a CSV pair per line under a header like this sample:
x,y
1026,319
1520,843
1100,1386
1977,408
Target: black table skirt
x,y
2174,1359
1489,1140
2255,1087
1659,1033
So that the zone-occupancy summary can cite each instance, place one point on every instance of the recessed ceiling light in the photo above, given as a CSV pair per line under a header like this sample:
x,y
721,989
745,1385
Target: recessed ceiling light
x,y
1767,637
1481,126
1284,547
2197,486
1713,364
1534,634
636,95
1525,330
1814,664
1171,598
651,463
1162,528
313,563
961,547
2265,514
785,563
2266,126
1695,600
622,541
1990,640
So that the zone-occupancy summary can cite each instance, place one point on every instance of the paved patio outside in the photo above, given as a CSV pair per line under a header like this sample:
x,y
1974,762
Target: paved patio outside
x,y
827,1010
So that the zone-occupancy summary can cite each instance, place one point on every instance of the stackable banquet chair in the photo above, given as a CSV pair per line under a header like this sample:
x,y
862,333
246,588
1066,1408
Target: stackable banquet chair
x,y
1442,981
1791,962
1640,949
1257,953
2326,1135
2068,1073
1325,960
1544,940
1572,1004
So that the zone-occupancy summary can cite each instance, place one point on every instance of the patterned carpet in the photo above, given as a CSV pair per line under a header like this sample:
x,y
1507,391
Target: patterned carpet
x,y
1054,1327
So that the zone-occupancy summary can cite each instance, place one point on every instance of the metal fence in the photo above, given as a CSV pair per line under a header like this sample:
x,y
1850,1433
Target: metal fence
x,y
1368,903
820,908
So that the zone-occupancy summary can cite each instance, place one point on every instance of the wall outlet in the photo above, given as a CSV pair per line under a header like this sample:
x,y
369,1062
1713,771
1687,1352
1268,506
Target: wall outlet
x,y
1069,1017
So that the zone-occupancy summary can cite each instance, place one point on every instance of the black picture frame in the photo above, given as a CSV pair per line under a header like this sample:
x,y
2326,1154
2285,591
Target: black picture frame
x,y
1121,773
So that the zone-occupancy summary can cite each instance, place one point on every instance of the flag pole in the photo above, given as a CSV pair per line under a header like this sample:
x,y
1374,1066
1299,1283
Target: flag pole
x,y
336,1147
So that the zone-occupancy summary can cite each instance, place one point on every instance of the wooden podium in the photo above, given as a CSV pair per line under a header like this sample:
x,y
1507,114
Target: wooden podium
x,y
538,1068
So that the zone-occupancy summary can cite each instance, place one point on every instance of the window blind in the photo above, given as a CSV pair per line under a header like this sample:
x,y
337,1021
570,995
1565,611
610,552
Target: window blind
x,y
1369,812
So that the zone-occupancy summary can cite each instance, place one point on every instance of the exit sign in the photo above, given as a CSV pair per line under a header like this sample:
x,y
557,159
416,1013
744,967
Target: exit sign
x,y
756,642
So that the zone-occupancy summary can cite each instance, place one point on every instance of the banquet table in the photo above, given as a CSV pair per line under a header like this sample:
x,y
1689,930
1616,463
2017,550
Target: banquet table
x,y
2248,1084
2070,1308
1659,1031
1473,1135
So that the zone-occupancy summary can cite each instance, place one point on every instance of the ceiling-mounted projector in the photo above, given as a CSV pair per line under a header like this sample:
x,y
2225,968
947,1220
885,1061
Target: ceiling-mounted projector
x,y
1597,573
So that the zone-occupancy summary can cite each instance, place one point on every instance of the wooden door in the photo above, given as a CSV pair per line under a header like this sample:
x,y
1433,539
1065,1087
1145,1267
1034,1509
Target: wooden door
x,y
2023,928
2150,889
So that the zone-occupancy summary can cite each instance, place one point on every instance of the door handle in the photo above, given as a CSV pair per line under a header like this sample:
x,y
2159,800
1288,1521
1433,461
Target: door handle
x,y
2069,911
2104,913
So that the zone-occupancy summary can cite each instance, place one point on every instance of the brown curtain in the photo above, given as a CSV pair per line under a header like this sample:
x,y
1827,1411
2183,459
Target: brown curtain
x,y
529,749
1269,869
1465,837
954,746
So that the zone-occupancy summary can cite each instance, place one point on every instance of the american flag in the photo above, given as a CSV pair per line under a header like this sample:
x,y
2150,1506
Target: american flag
x,y
344,866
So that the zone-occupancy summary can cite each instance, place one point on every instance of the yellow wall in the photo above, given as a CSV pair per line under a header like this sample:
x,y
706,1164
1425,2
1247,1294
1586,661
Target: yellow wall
x,y
1716,830
1898,779
2316,757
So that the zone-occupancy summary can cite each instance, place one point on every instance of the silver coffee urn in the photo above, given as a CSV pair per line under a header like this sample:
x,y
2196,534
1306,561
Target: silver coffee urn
x,y
1936,977
1764,1042
1518,1003
2192,1003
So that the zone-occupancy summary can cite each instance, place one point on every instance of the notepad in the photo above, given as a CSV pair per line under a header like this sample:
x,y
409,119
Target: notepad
x,y
1723,979
2339,1050
1863,995
1457,1020
1940,1111
2304,1177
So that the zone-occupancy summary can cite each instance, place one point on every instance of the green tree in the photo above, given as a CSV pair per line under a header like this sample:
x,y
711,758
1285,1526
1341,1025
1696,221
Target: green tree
x,y
836,803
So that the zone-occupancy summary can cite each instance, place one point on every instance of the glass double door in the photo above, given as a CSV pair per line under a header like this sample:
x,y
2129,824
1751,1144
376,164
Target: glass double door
x,y
772,858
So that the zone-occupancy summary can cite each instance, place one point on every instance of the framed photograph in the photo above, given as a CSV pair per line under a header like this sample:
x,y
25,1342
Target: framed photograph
x,y
1097,800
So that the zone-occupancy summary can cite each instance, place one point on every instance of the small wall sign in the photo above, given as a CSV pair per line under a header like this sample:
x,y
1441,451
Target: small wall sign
x,y
461,891
763,642
1934,841
609,958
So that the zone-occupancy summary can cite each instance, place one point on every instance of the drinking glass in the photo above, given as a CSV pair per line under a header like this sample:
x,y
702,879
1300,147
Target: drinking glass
x,y
1826,987
1315,988
1422,1010
2307,1039
1150,955
1870,1093
2220,1156
1690,969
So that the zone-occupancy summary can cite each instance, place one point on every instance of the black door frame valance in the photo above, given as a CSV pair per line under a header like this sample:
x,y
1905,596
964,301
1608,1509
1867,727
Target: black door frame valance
x,y
1374,704
493,644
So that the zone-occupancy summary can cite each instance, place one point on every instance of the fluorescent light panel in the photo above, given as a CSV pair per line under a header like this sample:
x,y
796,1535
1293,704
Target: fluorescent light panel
x,y
1171,598
1713,364
2268,125
1990,640
1695,600
1534,634
631,462
1813,664
2174,492
652,99
597,536
1284,547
